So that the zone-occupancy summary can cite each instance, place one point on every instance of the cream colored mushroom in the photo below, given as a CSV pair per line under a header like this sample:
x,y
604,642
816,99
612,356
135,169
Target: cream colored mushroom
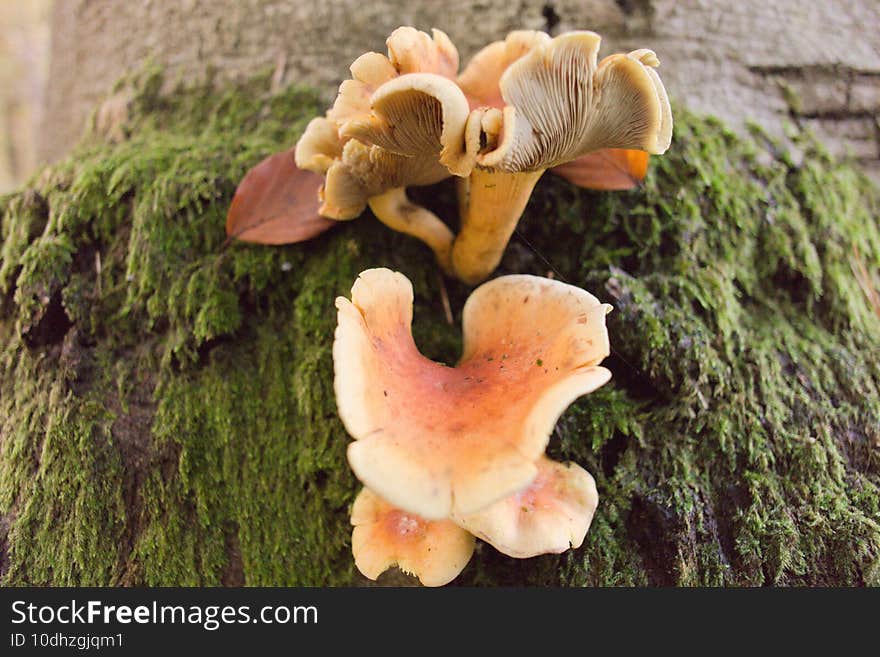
x,y
521,106
371,175
319,146
399,122
434,440
559,104
383,536
550,516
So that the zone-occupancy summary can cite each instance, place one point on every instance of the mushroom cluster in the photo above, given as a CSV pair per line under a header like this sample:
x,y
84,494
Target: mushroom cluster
x,y
449,453
521,106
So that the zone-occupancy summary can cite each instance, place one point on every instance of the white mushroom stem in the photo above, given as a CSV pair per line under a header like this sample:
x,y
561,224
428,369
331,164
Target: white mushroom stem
x,y
396,211
491,204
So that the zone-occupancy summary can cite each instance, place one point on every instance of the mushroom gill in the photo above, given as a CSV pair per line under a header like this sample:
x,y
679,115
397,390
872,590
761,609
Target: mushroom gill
x,y
558,105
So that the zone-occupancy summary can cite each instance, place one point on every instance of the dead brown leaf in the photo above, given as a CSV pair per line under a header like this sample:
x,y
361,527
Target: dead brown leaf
x,y
276,203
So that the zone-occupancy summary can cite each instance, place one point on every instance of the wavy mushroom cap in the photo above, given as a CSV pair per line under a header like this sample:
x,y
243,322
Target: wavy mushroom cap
x,y
409,51
435,552
560,104
435,440
413,51
319,146
550,516
400,121
481,77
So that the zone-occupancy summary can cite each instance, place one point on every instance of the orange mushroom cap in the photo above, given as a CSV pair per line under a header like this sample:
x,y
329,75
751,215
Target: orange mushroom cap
x,y
383,536
435,440
550,516
481,78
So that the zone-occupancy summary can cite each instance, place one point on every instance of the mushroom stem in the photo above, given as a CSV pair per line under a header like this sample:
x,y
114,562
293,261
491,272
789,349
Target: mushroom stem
x,y
396,211
491,204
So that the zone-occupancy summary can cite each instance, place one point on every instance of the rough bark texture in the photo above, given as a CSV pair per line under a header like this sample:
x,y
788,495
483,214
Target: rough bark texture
x,y
816,64
166,406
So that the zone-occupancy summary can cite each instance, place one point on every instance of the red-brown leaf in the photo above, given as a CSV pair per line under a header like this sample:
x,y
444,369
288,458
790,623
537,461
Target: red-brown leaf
x,y
276,203
607,169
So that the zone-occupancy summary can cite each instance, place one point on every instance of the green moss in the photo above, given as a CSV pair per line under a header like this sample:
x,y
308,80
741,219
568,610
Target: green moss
x,y
61,478
167,404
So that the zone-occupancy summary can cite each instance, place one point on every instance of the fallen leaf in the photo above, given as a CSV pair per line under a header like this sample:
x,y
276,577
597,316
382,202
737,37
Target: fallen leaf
x,y
607,169
276,203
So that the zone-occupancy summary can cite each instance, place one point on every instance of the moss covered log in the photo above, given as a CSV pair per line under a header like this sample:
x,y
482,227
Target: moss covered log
x,y
166,406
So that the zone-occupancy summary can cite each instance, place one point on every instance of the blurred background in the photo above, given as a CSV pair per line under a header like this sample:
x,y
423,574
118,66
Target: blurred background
x,y
813,64
24,66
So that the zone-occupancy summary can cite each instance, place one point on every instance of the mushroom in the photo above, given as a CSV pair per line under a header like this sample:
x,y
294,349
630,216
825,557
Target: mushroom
x,y
434,440
434,551
550,516
400,121
521,106
559,104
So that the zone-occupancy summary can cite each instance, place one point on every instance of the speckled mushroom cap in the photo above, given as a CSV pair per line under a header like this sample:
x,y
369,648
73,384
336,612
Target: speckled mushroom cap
x,y
435,440
549,516
383,536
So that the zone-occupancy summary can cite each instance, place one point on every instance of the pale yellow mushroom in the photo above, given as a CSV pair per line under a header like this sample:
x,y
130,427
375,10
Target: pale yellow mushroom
x,y
559,104
399,122
434,440
549,516
418,115
383,536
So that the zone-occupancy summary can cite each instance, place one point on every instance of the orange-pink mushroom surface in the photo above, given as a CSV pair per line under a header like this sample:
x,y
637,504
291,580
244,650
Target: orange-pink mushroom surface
x,y
383,536
434,440
550,516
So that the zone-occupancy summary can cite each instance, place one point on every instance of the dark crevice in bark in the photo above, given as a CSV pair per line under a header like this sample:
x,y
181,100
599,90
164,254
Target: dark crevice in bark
x,y
52,325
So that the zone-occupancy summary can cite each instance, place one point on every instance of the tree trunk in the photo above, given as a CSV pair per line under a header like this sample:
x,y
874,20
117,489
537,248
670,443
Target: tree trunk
x,y
166,401
812,63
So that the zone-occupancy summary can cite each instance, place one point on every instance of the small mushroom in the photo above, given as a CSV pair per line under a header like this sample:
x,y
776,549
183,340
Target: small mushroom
x,y
399,122
383,536
550,516
319,146
559,104
434,440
